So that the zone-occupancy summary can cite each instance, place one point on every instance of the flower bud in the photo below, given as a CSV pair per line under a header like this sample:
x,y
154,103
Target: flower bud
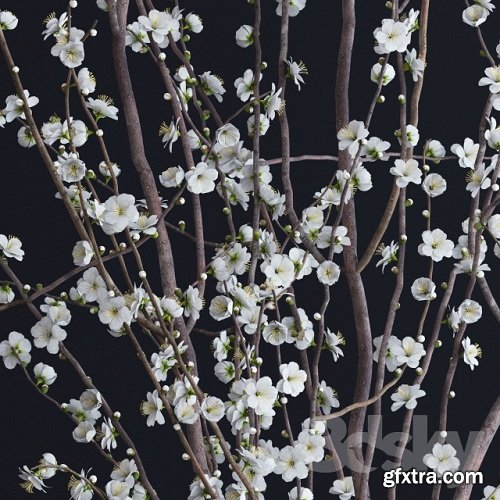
x,y
451,394
317,316
130,452
438,344
185,457
162,56
419,371
420,338
15,69
398,372
380,99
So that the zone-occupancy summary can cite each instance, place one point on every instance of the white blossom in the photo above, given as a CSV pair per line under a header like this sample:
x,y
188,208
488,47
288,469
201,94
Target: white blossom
x,y
442,459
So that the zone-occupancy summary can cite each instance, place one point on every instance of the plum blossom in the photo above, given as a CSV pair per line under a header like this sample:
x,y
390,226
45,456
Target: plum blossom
x,y
200,179
14,106
470,311
137,37
82,253
434,185
295,70
351,136
8,21
103,107
388,254
293,379
152,408
294,7
11,247
15,350
442,458
491,492
423,289
212,85
388,75
326,398
391,360
86,81
479,179
406,395
414,64
343,487
6,294
114,312
160,25
197,490
471,353
212,409
435,245
328,273
409,352
305,494
467,153
492,79
48,334
290,464
475,15
119,212
406,172
392,36
261,395
244,36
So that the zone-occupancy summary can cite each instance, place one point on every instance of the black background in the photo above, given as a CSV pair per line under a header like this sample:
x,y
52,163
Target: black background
x,y
451,106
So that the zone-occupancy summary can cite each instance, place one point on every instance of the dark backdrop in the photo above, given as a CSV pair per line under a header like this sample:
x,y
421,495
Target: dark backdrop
x,y
450,110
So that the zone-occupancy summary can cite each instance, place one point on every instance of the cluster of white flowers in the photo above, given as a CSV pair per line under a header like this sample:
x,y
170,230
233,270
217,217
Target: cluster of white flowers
x,y
14,110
